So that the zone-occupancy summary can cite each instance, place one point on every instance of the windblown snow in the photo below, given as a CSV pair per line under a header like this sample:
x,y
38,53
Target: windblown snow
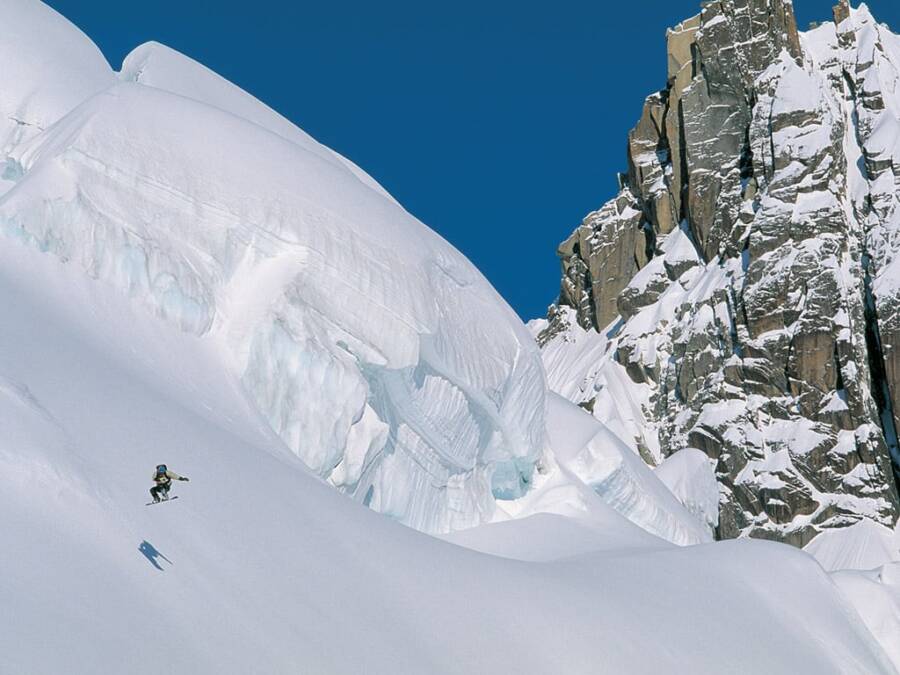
x,y
188,278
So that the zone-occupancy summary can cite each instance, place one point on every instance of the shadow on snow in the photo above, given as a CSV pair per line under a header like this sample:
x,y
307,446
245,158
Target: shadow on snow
x,y
150,553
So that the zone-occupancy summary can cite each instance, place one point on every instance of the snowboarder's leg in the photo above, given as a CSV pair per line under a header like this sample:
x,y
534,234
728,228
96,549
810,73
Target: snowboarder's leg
x,y
154,492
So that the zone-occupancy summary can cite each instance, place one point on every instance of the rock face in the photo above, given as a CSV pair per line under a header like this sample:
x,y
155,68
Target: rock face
x,y
745,281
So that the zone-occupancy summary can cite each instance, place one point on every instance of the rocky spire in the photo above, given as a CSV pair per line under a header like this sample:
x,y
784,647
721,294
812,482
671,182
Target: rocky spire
x,y
687,156
841,12
744,274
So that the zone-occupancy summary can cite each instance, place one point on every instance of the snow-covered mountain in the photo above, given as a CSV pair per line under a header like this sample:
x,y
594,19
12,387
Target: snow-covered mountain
x,y
188,278
740,294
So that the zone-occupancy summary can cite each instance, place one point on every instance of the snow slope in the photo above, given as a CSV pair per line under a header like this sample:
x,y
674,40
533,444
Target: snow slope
x,y
863,546
865,563
589,454
376,352
155,65
259,567
49,67
875,595
379,354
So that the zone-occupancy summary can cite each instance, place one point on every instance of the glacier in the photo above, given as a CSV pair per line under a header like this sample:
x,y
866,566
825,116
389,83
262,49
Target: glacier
x,y
378,353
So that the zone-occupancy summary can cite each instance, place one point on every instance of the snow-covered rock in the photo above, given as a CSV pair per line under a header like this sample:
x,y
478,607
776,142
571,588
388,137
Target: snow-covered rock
x,y
738,295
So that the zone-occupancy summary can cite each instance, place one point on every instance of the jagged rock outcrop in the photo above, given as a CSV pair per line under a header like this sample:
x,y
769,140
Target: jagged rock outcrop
x,y
745,279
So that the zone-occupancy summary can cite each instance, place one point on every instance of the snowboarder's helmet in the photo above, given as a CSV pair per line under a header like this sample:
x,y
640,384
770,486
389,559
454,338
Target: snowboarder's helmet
x,y
161,468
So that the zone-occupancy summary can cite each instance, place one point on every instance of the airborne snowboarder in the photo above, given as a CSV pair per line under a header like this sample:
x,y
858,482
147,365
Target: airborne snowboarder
x,y
163,479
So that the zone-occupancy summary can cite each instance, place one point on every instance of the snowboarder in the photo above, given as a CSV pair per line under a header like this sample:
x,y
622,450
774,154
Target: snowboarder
x,y
163,479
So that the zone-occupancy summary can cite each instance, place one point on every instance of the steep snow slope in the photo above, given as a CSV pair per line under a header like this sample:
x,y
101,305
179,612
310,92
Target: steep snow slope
x,y
49,67
865,563
260,567
156,65
378,353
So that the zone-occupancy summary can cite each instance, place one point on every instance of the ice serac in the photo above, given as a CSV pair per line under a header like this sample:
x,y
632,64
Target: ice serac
x,y
375,350
742,287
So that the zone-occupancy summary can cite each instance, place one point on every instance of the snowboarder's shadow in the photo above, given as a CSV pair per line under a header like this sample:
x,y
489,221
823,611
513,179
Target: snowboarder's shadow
x,y
150,553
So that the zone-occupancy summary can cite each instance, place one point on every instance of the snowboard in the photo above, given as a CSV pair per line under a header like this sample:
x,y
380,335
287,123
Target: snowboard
x,y
161,501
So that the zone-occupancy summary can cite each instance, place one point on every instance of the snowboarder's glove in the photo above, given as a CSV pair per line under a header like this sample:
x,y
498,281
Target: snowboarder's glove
x,y
184,478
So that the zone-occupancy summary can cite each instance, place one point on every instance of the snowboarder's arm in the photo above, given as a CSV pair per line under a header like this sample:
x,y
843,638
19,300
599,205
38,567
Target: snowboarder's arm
x,y
172,475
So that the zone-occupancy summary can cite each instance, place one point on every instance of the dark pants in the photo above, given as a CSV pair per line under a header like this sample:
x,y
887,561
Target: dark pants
x,y
160,491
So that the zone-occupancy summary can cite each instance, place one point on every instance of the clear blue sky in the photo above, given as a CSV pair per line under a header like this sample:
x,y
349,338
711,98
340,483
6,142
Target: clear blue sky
x,y
499,124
